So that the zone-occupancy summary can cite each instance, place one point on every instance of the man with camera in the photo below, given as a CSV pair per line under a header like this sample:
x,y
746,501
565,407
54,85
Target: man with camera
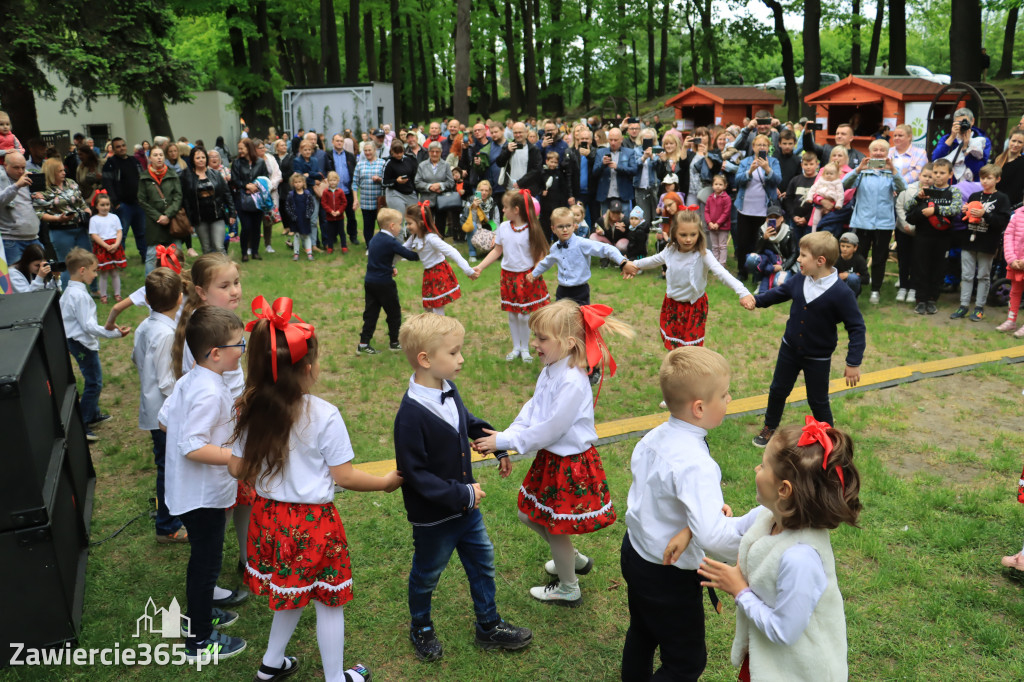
x,y
552,141
966,148
843,137
613,171
761,124
19,224
519,161
632,138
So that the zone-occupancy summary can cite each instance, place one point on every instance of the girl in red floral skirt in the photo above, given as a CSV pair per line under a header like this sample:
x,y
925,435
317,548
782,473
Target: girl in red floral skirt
x,y
293,447
565,492
105,233
439,284
520,243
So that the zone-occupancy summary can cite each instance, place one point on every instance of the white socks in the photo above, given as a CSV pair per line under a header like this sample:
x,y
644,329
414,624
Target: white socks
x,y
519,326
439,311
281,630
562,551
330,635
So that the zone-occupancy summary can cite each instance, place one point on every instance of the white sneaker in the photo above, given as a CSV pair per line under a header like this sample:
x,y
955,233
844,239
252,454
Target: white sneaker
x,y
513,355
584,565
1007,326
911,296
558,594
472,259
901,295
874,298
663,405
270,249
525,355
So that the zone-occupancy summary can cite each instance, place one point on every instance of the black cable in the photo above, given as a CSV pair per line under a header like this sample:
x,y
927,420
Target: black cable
x,y
118,531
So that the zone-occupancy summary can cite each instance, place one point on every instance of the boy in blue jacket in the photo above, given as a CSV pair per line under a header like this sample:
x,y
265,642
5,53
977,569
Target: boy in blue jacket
x,y
820,302
379,284
442,501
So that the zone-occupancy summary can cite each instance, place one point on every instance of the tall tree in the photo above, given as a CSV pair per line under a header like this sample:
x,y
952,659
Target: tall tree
x,y
663,58
555,102
694,54
650,49
1006,61
396,63
384,54
588,46
263,108
897,37
329,43
371,51
462,49
352,26
515,103
786,45
876,37
965,40
855,37
529,62
812,50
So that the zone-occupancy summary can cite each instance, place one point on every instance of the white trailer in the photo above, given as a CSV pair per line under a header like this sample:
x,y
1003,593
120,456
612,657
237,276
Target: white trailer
x,y
361,107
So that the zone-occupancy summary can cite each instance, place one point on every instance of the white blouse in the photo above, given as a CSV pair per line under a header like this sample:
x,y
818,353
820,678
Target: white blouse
x,y
687,273
515,248
433,250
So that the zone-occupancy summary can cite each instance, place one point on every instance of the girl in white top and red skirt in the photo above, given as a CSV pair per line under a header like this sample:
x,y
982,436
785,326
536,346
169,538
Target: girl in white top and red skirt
x,y
294,447
107,244
440,287
521,244
565,492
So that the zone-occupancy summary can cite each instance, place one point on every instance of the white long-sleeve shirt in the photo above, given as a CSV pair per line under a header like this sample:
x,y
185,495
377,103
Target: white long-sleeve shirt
x,y
676,485
433,250
558,418
799,587
21,285
152,356
687,273
79,313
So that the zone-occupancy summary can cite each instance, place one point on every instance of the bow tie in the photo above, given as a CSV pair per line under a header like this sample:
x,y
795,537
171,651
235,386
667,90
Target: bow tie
x,y
563,245
447,394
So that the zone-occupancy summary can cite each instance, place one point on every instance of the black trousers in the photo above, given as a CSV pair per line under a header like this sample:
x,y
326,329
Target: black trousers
x,y
206,537
875,242
666,611
334,230
744,238
383,295
369,224
579,293
249,234
787,369
929,265
905,253
350,217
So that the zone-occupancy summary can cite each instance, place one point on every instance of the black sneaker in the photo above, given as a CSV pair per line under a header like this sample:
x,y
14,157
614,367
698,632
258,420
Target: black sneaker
x,y
503,636
428,646
931,308
289,666
234,599
215,647
921,308
90,436
761,439
218,617
99,419
395,346
978,315
366,349
959,313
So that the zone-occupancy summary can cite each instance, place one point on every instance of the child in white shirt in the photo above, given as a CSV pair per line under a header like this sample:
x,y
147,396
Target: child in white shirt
x,y
440,287
107,245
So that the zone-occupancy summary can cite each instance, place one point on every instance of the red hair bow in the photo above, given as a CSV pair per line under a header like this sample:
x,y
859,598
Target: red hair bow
x,y
280,318
167,256
691,207
424,205
815,431
593,318
96,195
529,201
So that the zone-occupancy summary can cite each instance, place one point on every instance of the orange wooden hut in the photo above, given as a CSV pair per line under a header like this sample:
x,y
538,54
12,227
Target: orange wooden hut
x,y
870,102
707,105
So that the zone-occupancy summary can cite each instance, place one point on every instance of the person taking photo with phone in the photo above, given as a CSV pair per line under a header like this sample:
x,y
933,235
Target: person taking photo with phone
x,y
757,181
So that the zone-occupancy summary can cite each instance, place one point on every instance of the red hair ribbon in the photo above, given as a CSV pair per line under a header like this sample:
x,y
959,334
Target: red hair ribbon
x,y
424,205
593,318
528,198
167,256
280,318
691,207
96,195
815,431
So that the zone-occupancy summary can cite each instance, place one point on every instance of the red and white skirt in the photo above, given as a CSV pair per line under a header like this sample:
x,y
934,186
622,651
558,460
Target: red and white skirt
x,y
521,296
567,495
298,553
246,495
440,286
682,324
110,260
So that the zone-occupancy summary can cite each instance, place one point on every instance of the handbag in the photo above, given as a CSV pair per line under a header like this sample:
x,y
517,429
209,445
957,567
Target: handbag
x,y
483,240
180,227
448,200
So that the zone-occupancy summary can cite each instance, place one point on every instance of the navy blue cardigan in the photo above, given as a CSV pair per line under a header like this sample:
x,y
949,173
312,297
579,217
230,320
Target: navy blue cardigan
x,y
811,329
380,257
435,461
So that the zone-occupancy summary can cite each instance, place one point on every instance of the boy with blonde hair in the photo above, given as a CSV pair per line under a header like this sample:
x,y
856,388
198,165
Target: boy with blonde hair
x,y
379,284
442,500
676,485
820,302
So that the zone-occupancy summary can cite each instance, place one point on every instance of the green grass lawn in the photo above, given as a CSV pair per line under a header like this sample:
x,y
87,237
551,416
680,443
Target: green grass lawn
x,y
925,595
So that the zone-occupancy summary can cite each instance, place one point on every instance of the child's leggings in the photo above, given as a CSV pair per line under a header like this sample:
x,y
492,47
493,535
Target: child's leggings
x,y
307,243
519,326
330,635
116,276
1016,290
719,244
562,550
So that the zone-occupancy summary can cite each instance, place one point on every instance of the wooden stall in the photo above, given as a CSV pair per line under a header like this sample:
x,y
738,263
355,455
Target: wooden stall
x,y
707,105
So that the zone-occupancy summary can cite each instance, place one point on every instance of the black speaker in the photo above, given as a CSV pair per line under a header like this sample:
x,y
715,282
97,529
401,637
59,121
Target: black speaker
x,y
40,309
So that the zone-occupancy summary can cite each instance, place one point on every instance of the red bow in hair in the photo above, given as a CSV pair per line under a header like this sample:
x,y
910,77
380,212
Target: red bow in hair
x,y
593,318
691,207
815,431
424,205
96,196
167,256
529,202
280,318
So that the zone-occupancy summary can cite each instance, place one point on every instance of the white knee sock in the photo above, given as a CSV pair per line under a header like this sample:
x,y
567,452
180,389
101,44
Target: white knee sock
x,y
330,635
513,328
439,311
524,330
240,516
281,630
562,550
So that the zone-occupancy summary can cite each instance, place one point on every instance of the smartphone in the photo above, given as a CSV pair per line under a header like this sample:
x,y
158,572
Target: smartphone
x,y
478,196
876,163
403,177
772,223
657,149
38,183
762,155
647,143
812,126
584,145
764,121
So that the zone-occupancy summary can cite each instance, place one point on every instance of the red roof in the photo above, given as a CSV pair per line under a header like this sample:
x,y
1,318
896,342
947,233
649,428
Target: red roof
x,y
898,87
736,94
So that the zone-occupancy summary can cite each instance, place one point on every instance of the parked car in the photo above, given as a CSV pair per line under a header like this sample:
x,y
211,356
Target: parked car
x,y
779,83
921,72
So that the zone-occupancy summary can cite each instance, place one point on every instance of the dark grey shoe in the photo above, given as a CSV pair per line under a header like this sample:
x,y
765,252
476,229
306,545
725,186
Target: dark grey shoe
x,y
366,349
503,636
761,439
428,646
931,308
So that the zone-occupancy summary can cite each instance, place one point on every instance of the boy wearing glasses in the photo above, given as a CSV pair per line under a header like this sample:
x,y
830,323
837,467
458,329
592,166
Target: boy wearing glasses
x,y
198,420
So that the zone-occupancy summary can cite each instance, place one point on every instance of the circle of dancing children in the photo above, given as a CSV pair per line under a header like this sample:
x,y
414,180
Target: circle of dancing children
x,y
565,493
520,243
440,287
293,447
107,244
790,621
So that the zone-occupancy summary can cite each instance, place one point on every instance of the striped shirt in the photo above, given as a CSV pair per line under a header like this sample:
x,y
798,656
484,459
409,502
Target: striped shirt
x,y
367,188
909,163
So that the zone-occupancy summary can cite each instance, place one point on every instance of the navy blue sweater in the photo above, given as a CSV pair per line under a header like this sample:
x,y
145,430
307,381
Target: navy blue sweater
x,y
435,461
811,329
380,257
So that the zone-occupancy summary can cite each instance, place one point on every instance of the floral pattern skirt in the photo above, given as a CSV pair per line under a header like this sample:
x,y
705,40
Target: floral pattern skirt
x,y
246,495
440,286
682,324
298,553
110,259
567,495
521,296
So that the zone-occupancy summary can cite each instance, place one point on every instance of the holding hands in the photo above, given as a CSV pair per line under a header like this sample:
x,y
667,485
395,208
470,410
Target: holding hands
x,y
722,576
748,303
486,444
629,270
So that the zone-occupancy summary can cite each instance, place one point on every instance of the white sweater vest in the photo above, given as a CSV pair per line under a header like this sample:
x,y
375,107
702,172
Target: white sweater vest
x,y
820,653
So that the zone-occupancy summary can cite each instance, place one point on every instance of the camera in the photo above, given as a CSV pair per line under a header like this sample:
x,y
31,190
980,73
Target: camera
x,y
657,149
646,143
764,121
876,163
57,265
963,125
584,145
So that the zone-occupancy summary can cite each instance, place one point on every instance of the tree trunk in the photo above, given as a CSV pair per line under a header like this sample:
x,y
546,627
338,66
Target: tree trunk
x,y
855,38
515,101
492,74
792,96
965,41
314,67
329,43
537,22
555,103
19,101
371,52
650,50
462,74
420,77
529,63
663,61
587,95
897,37
396,65
1006,62
260,114
710,48
876,38
384,55
352,43
431,74
694,55
812,51
156,114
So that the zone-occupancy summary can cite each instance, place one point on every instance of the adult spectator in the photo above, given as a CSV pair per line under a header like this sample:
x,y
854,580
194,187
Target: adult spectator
x,y
319,156
399,178
89,176
90,144
285,160
843,138
552,142
244,171
413,146
1011,161
342,162
482,154
632,136
753,128
519,161
613,171
966,147
207,201
121,175
453,132
657,125
35,154
19,224
673,160
435,134
160,197
433,178
380,139
907,159
578,160
141,154
62,208
172,157
646,182
71,160
758,181
272,218
369,179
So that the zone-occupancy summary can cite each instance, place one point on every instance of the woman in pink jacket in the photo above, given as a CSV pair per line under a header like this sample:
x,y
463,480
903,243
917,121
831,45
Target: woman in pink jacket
x,y
1013,251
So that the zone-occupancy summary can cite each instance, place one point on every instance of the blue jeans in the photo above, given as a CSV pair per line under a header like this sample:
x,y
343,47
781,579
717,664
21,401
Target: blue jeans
x,y
92,372
206,537
433,547
132,216
165,523
13,248
853,281
787,368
